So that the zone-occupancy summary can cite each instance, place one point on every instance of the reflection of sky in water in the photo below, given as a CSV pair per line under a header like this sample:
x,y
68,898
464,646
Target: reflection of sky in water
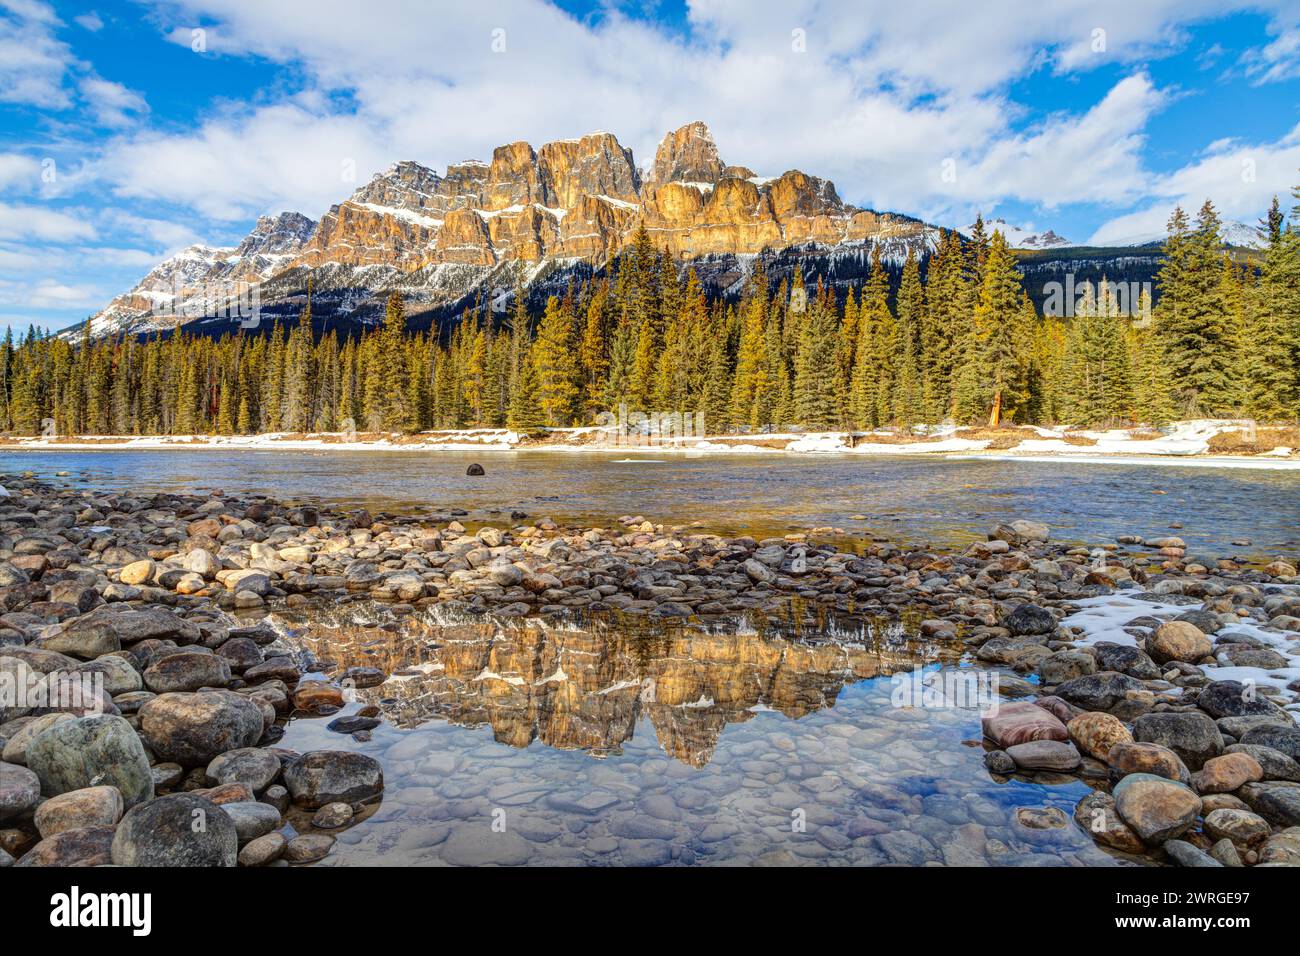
x,y
911,499
673,746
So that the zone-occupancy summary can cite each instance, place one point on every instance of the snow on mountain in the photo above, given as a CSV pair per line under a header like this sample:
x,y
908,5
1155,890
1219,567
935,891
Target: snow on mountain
x,y
1020,238
1234,232
570,204
153,303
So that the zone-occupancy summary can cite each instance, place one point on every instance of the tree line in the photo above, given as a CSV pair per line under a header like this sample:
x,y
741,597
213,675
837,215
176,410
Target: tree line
x,y
955,338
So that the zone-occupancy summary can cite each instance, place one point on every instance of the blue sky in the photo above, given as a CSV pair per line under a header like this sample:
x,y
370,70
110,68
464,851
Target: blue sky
x,y
130,130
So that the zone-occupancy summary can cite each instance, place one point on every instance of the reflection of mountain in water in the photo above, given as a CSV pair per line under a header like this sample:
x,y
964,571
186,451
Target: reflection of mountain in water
x,y
586,687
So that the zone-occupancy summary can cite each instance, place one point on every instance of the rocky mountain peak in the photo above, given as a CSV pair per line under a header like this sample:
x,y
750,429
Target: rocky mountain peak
x,y
688,154
571,203
404,185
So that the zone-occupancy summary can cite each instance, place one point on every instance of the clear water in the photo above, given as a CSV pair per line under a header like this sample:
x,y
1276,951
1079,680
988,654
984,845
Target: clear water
x,y
941,501
609,743
621,744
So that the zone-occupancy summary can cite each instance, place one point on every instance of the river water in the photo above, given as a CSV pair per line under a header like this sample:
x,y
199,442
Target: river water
x,y
913,500
615,742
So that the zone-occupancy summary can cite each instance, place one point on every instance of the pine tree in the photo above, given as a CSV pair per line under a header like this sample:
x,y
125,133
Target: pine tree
x,y
817,387
556,366
1191,317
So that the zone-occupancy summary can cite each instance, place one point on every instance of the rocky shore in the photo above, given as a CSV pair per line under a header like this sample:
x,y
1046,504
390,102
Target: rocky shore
x,y
142,691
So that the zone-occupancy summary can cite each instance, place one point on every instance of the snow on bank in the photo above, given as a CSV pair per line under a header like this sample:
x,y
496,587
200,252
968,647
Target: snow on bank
x,y
1200,461
1184,443
1104,618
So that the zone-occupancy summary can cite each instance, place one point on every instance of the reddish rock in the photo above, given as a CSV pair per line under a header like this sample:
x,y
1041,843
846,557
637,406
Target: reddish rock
x,y
1020,722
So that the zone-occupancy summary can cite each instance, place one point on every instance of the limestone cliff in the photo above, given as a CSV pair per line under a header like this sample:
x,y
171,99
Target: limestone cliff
x,y
439,238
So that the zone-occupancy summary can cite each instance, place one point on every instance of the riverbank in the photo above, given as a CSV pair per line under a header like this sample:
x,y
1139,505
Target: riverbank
x,y
163,609
1203,443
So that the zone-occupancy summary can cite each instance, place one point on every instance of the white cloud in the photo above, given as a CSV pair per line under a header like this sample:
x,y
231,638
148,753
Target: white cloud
x,y
17,170
1241,178
1279,60
89,21
32,60
39,223
50,294
1071,158
112,104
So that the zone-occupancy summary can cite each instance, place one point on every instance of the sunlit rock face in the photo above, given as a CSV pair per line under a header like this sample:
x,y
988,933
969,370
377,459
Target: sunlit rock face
x,y
483,226
586,688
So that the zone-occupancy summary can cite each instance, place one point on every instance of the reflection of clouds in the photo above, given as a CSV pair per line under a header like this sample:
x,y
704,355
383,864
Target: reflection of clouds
x,y
585,687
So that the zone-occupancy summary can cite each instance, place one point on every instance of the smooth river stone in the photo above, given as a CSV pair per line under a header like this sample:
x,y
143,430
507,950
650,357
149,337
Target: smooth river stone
x,y
1096,733
1044,755
1020,722
1156,808
89,751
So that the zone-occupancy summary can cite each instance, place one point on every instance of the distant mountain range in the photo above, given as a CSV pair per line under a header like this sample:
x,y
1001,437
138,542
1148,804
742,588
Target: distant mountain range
x,y
538,217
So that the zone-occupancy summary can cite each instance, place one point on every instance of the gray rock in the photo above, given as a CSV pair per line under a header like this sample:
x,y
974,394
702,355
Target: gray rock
x,y
1100,691
1191,735
252,819
1184,854
90,751
192,729
1276,765
1285,740
265,849
179,829
249,765
1045,755
1066,665
308,847
86,846
330,776
20,789
1230,698
187,671
1277,801
332,816
1029,619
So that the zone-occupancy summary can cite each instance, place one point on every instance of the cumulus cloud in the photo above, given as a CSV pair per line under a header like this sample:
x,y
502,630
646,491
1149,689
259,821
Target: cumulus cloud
x,y
18,171
40,223
1241,178
1279,60
33,60
112,104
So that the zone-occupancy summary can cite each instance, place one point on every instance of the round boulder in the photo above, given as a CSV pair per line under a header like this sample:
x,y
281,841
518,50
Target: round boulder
x,y
90,751
1178,641
188,670
192,729
252,766
179,829
1155,808
331,776
1096,733
1192,735
20,789
91,807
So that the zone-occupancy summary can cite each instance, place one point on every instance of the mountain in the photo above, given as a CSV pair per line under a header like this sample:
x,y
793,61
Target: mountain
x,y
1237,234
1019,238
152,303
539,216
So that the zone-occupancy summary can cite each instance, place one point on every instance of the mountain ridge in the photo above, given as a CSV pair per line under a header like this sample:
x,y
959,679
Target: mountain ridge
x,y
568,204
536,217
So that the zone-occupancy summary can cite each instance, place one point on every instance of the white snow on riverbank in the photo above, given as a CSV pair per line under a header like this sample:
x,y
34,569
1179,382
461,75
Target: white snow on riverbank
x,y
1185,443
1103,619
